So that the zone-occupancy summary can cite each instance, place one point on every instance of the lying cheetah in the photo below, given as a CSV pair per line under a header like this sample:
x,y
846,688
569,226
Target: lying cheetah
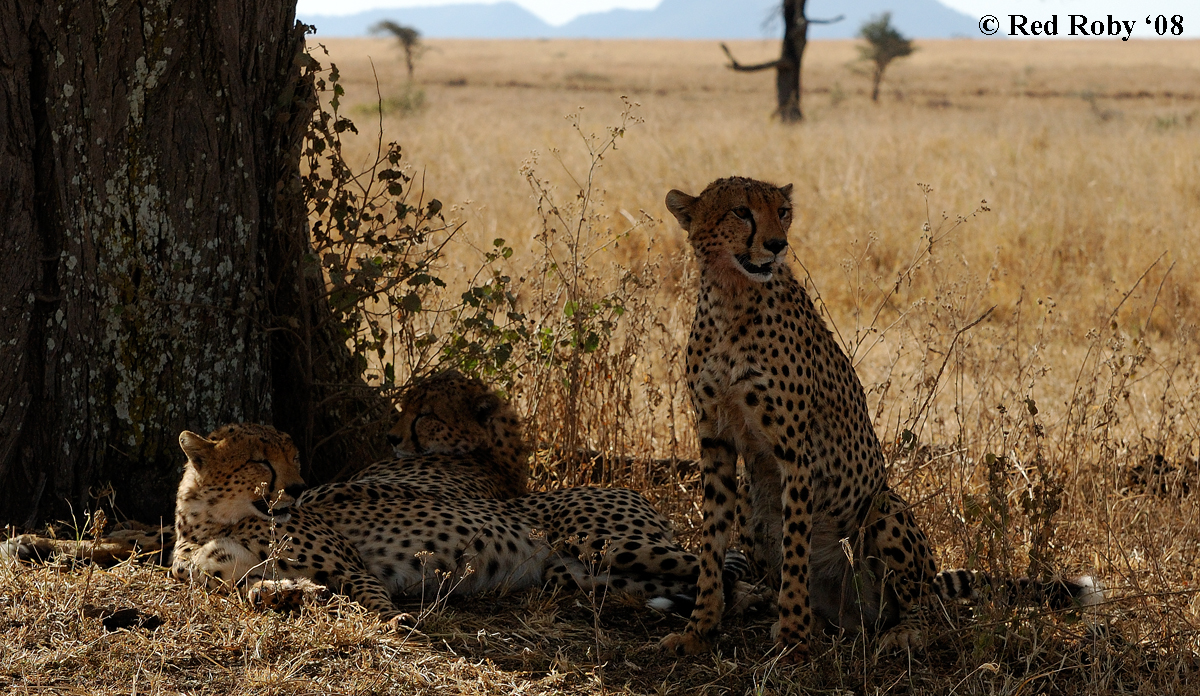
x,y
237,524
410,528
456,439
769,383
242,521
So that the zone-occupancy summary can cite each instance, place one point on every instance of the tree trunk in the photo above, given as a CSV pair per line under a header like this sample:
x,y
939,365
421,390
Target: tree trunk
x,y
149,160
876,78
787,75
787,68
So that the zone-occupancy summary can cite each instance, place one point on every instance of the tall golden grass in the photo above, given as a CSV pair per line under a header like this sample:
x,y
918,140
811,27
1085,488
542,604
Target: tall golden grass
x,y
1031,364
1031,361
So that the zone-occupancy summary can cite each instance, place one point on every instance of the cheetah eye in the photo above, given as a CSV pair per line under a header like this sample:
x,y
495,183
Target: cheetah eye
x,y
783,212
742,212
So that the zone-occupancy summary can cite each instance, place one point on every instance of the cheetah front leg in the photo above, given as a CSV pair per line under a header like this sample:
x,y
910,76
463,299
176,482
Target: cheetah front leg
x,y
332,560
795,614
719,475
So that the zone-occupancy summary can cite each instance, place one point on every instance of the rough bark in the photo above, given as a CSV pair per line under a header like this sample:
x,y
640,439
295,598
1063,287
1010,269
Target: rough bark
x,y
148,155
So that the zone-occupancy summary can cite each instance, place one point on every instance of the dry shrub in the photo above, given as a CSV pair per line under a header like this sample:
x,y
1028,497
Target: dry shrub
x,y
1032,372
587,383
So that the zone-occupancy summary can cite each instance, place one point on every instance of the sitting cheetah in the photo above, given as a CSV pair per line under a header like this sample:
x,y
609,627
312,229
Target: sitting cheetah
x,y
769,382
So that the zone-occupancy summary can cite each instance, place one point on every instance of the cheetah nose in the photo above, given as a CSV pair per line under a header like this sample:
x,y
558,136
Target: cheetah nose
x,y
295,490
775,245
394,440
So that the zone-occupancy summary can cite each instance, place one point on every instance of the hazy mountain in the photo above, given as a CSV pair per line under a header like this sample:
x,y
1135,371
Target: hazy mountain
x,y
672,19
922,19
679,19
504,20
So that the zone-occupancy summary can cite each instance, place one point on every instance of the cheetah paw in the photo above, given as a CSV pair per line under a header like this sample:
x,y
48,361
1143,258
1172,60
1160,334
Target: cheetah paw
x,y
686,643
286,595
791,651
907,638
750,598
405,625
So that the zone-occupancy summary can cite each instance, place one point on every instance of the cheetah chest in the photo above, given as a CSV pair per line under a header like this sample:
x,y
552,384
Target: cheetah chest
x,y
767,374
744,372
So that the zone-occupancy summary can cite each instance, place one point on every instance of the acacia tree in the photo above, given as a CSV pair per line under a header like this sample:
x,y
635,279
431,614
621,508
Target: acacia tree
x,y
408,38
884,44
152,269
787,67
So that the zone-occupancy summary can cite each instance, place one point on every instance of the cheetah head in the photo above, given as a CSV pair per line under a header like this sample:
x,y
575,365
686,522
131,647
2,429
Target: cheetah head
x,y
737,224
239,471
450,413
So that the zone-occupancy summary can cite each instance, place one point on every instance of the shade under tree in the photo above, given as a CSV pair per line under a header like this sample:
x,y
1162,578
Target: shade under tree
x,y
150,270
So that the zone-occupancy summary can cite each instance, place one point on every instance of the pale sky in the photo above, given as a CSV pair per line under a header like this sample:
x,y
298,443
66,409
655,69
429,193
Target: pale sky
x,y
561,11
551,11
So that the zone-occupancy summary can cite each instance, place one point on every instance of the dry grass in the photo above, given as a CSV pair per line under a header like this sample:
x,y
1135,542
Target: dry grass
x,y
1058,432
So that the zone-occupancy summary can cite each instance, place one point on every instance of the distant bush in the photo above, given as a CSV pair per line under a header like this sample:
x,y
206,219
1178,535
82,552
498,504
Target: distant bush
x,y
884,44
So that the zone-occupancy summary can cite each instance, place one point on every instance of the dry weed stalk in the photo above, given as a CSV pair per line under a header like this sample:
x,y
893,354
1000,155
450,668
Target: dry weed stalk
x,y
1058,433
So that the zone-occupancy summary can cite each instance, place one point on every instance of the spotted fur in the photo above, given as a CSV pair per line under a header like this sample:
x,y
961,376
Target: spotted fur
x,y
456,437
770,384
237,524
450,512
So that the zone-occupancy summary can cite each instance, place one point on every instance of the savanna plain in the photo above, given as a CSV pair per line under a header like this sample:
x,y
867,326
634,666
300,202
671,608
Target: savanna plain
x,y
1005,245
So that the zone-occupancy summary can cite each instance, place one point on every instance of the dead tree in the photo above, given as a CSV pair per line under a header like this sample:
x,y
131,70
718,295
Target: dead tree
x,y
151,265
787,67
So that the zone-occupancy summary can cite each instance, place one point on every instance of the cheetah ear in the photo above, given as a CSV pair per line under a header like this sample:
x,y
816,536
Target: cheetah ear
x,y
485,407
680,205
786,191
195,446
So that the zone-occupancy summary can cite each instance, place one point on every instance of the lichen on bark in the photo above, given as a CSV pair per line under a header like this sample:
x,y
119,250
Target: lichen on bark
x,y
147,221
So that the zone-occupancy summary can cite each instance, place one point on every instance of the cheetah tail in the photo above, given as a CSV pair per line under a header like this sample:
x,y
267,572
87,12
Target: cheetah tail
x,y
1059,593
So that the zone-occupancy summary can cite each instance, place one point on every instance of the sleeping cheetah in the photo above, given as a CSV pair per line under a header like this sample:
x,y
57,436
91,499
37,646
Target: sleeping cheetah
x,y
456,440
769,382
242,521
455,436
